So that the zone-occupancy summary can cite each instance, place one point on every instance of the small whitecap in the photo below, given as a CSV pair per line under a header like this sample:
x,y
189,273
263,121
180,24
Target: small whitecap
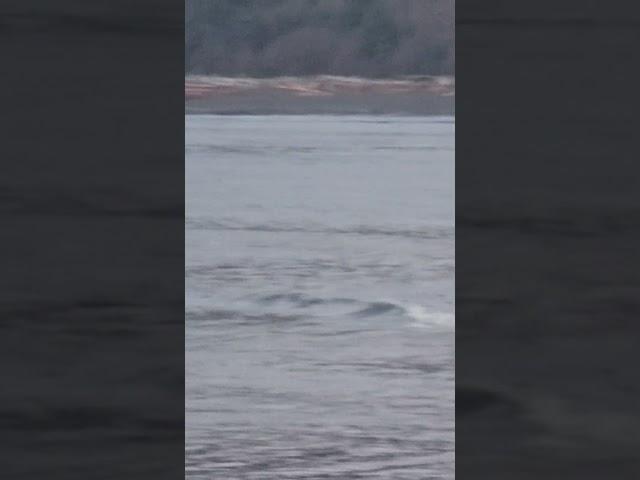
x,y
423,318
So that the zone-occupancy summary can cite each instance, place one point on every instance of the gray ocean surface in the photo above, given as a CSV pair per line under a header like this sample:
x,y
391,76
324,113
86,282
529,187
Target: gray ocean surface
x,y
319,290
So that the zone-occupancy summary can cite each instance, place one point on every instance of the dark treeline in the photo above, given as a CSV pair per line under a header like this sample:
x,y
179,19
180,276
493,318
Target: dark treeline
x,y
374,38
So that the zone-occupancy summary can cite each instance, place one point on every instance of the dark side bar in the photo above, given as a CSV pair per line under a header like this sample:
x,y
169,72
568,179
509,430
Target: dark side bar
x,y
92,187
548,216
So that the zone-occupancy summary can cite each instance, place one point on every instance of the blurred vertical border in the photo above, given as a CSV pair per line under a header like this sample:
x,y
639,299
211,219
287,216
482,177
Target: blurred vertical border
x,y
92,188
546,240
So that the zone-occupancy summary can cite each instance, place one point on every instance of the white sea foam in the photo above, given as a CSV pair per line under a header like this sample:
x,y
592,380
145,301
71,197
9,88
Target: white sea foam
x,y
423,318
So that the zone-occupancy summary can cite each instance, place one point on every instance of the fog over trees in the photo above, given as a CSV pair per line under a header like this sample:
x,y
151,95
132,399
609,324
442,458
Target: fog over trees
x,y
372,38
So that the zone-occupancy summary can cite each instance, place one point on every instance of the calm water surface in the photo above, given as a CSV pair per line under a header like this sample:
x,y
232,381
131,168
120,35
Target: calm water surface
x,y
319,284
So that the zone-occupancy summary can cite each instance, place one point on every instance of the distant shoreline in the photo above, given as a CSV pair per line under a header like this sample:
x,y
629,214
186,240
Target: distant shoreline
x,y
320,95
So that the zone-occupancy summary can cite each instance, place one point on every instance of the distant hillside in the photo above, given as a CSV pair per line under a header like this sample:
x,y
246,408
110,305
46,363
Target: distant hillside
x,y
371,38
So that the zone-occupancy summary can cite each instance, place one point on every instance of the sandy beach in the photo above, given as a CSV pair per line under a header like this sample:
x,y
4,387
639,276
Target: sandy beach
x,y
323,94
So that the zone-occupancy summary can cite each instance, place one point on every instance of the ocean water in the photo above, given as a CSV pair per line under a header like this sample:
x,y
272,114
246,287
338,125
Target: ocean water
x,y
319,291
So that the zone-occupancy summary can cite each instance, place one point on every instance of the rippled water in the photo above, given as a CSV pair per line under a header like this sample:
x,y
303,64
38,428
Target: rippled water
x,y
319,284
